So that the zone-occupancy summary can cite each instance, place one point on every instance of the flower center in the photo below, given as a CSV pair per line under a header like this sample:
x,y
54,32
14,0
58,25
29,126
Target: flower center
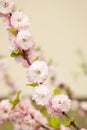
x,y
6,4
5,111
19,20
24,40
38,72
59,102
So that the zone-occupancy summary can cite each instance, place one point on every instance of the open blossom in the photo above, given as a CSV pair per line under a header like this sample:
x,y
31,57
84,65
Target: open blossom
x,y
20,110
41,95
58,104
61,102
5,108
24,39
19,20
6,6
37,72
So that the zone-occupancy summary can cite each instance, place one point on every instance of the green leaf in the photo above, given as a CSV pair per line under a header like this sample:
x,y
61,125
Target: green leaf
x,y
8,126
57,91
38,48
44,112
84,67
13,31
54,122
16,100
36,58
68,91
16,53
50,62
1,56
32,84
67,123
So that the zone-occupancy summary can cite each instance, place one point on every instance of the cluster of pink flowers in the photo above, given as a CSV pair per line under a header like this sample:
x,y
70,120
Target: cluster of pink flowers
x,y
24,116
22,42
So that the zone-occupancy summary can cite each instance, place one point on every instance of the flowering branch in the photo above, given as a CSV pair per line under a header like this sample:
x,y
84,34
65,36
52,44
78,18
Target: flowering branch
x,y
72,121
22,113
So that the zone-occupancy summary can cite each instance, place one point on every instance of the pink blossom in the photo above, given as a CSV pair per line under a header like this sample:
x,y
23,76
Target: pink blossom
x,y
58,104
61,102
5,108
20,111
24,39
6,6
37,72
19,20
51,110
41,95
22,107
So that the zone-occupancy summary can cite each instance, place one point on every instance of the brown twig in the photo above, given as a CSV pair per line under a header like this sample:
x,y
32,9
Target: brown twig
x,y
72,121
26,57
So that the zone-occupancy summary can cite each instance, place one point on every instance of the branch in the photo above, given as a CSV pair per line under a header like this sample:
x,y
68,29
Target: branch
x,y
72,121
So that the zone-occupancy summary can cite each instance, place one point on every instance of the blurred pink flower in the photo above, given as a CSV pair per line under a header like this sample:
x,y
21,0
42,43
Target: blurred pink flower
x,y
5,108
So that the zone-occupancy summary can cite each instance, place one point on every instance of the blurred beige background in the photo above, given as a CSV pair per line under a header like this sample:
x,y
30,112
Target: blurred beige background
x,y
60,27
